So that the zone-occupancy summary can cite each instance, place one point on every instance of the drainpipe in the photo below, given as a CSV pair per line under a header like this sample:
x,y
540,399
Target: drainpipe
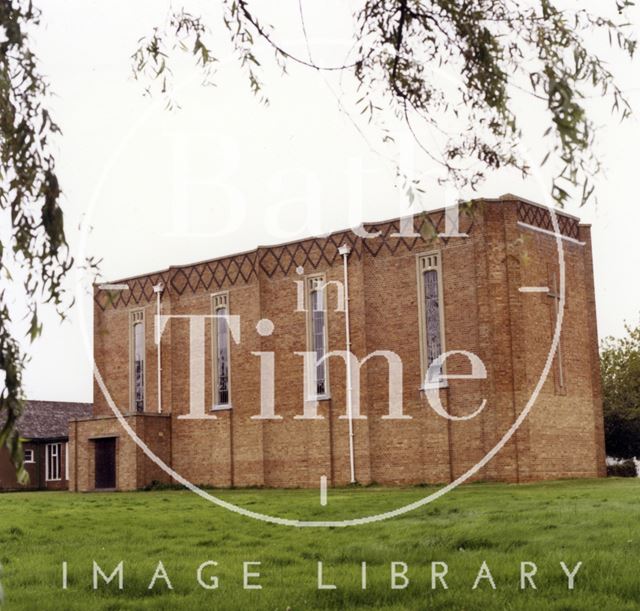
x,y
344,251
158,289
75,456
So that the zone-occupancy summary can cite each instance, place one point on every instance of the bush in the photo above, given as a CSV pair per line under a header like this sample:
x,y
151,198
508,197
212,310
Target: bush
x,y
625,468
622,434
620,364
155,485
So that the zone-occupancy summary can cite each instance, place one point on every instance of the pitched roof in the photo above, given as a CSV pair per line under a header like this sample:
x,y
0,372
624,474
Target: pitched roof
x,y
50,419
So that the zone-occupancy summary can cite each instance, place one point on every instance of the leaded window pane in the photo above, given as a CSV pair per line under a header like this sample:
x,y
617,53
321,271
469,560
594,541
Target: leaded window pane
x,y
317,337
432,315
222,343
138,366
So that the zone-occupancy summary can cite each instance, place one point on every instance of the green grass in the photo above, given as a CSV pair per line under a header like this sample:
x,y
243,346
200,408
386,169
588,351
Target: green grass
x,y
596,522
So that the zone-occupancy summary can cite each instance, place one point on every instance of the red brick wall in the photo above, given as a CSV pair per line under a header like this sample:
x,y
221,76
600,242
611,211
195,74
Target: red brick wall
x,y
8,480
36,470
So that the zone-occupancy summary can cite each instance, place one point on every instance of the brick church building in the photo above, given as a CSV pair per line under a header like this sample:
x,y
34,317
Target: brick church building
x,y
211,415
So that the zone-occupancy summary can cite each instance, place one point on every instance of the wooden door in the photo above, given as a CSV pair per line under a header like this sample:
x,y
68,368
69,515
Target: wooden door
x,y
105,461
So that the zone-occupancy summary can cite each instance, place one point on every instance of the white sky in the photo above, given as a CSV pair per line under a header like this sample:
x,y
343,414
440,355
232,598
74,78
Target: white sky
x,y
249,175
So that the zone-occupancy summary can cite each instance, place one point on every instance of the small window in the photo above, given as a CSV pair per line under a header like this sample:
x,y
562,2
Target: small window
x,y
137,360
29,456
431,313
221,351
317,330
52,467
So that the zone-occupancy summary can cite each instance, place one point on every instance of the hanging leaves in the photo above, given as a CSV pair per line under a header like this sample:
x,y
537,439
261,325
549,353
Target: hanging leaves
x,y
30,193
495,46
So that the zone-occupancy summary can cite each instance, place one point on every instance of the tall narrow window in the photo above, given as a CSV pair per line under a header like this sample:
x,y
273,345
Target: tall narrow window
x,y
559,372
52,460
137,360
430,312
317,330
221,353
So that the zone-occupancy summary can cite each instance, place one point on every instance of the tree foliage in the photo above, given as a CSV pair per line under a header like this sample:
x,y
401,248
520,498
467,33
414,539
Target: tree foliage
x,y
620,364
496,47
30,202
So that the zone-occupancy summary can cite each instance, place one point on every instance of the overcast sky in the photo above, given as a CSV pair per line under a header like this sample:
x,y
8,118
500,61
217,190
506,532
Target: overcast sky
x,y
145,188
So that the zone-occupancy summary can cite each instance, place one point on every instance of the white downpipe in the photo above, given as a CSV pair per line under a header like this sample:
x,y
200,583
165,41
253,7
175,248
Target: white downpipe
x,y
157,289
344,251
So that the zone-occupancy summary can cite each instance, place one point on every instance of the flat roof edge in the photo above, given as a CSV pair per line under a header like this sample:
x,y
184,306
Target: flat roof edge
x,y
506,197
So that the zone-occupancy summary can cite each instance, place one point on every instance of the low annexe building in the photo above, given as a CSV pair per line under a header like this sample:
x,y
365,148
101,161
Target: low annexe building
x,y
44,426
491,291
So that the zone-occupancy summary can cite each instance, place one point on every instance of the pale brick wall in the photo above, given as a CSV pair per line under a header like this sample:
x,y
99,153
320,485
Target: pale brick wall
x,y
485,313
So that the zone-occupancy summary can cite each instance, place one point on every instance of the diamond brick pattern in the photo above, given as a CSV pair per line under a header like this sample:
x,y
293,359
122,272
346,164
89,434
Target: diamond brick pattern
x,y
540,217
311,253
278,260
140,290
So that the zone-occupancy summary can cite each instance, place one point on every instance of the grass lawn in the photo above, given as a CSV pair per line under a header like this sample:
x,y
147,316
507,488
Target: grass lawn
x,y
596,522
